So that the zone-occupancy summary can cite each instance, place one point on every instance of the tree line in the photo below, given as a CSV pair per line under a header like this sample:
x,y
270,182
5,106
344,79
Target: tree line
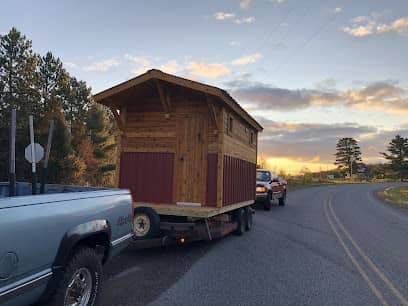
x,y
348,156
83,147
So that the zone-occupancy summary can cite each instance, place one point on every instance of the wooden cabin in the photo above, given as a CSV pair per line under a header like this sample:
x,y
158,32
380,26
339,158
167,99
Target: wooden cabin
x,y
184,146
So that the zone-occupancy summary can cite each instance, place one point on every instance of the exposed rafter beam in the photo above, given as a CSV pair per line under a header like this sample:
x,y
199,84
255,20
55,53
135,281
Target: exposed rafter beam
x,y
163,96
118,117
212,110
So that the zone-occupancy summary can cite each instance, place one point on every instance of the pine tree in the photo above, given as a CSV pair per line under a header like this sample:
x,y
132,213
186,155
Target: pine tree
x,y
102,135
348,154
18,77
83,148
18,84
53,79
398,153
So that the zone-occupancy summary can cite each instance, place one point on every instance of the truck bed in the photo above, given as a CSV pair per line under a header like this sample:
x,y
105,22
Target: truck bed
x,y
191,211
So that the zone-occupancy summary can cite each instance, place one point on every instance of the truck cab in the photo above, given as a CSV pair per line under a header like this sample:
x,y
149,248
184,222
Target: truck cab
x,y
270,188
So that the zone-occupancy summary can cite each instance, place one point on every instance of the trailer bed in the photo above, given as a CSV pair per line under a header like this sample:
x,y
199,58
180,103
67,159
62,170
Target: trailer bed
x,y
192,211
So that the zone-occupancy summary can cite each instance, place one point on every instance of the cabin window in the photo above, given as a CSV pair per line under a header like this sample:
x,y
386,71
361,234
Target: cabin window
x,y
230,124
251,138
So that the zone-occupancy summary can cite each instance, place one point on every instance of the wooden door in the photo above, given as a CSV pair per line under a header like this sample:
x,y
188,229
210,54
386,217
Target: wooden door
x,y
190,165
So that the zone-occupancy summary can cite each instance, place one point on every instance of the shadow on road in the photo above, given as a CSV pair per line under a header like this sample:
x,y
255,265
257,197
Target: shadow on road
x,y
136,277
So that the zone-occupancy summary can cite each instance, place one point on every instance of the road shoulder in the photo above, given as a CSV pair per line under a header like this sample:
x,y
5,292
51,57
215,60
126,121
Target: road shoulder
x,y
395,196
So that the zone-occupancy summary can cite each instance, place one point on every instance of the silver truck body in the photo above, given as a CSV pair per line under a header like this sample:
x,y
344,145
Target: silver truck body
x,y
37,232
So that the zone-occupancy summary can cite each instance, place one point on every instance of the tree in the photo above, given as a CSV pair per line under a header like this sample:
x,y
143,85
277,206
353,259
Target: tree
x,y
18,89
83,147
53,81
102,134
348,154
398,152
18,77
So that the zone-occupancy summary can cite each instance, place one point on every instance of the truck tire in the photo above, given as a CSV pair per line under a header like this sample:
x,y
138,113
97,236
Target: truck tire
x,y
240,218
146,223
80,280
282,200
248,218
267,202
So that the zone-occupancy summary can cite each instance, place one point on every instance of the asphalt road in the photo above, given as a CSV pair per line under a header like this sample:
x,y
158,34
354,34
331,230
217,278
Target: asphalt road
x,y
331,245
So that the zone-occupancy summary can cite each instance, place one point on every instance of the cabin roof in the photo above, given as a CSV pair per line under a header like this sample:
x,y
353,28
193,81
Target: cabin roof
x,y
110,96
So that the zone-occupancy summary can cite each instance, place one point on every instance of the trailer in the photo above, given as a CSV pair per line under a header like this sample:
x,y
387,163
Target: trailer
x,y
187,151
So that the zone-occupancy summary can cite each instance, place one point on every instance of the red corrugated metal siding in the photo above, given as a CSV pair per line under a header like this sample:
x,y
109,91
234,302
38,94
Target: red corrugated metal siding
x,y
212,163
149,176
239,180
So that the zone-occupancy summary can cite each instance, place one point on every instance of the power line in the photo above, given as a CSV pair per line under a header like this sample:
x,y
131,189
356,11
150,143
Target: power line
x,y
306,42
277,25
298,21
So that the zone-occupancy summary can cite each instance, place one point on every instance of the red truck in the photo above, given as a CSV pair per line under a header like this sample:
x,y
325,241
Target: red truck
x,y
270,188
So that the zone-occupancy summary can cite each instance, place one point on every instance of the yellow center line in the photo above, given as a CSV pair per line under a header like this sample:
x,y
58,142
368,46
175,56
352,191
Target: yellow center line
x,y
379,273
363,274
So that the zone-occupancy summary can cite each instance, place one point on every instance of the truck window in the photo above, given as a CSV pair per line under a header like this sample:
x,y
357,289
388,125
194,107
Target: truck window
x,y
263,176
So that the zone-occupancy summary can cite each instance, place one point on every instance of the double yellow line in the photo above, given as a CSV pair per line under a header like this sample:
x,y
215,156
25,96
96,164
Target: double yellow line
x,y
340,229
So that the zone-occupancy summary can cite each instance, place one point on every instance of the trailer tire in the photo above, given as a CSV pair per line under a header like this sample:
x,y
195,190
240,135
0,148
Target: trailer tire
x,y
240,218
267,202
248,218
146,223
282,200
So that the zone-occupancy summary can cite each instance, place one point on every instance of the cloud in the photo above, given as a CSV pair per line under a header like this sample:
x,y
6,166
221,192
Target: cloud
x,y
102,66
386,96
233,43
362,26
71,65
244,20
208,70
170,67
278,1
246,59
313,142
264,96
140,60
144,63
223,16
337,10
244,4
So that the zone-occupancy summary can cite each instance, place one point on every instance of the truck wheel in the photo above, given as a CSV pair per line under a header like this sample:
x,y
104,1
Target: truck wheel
x,y
146,223
282,200
267,202
248,218
80,280
240,218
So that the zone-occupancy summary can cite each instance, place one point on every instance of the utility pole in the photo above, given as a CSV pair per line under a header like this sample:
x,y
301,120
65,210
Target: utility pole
x,y
12,178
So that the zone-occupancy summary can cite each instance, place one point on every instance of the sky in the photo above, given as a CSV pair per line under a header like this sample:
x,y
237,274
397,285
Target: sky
x,y
310,72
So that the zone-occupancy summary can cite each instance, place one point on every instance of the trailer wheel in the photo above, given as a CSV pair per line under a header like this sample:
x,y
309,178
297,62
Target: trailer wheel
x,y
146,223
240,218
248,218
267,202
282,200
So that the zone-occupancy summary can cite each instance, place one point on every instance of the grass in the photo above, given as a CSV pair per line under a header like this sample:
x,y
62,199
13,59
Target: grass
x,y
396,195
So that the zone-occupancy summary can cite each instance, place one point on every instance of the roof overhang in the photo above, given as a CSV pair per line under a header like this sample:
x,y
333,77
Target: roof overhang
x,y
104,97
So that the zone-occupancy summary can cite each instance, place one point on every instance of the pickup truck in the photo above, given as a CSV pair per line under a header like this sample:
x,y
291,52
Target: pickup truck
x,y
269,188
53,245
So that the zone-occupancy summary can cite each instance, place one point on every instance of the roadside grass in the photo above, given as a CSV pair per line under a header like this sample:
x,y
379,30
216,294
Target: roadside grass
x,y
396,195
295,183
299,182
